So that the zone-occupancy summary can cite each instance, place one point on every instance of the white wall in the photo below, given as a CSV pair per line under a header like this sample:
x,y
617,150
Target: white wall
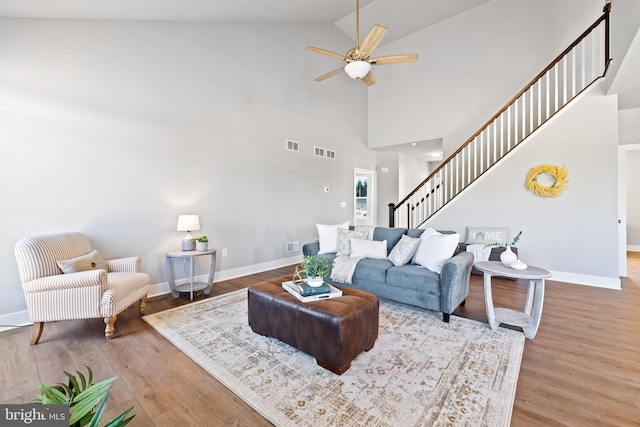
x,y
412,172
469,66
388,183
629,126
633,197
574,235
113,128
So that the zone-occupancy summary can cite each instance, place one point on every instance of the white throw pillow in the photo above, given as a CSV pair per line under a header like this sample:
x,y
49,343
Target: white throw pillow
x,y
486,235
403,251
328,237
368,249
344,239
435,249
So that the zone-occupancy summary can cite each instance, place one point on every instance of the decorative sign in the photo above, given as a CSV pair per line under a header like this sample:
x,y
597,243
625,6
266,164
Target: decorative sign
x,y
558,173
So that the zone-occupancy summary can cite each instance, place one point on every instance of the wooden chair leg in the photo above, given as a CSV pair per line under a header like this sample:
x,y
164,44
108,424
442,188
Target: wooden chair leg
x,y
143,304
36,332
109,321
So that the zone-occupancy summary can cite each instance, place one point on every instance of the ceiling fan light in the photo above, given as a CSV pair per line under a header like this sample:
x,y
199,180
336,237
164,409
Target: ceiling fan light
x,y
357,69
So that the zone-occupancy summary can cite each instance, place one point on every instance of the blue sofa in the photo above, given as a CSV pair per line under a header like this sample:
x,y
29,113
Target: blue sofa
x,y
408,284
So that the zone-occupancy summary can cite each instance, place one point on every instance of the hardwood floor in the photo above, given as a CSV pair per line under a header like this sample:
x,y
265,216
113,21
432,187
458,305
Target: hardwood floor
x,y
582,368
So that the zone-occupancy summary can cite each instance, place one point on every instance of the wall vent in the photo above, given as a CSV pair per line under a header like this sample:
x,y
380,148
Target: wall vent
x,y
293,145
318,151
331,154
293,246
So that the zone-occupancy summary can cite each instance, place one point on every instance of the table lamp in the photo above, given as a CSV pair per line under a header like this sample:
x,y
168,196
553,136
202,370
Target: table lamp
x,y
188,223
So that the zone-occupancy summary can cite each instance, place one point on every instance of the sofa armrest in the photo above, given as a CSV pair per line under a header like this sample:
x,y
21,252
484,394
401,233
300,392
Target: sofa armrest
x,y
454,281
310,249
83,279
124,265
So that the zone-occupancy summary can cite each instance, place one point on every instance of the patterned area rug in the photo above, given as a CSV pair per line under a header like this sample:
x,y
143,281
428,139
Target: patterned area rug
x,y
421,371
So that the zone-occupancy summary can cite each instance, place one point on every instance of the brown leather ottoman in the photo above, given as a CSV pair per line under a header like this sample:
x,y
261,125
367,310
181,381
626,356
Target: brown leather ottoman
x,y
334,331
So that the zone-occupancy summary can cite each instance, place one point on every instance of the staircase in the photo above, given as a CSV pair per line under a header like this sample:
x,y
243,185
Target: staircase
x,y
583,63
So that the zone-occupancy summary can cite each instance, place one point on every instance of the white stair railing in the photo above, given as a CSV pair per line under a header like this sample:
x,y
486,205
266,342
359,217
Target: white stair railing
x,y
584,62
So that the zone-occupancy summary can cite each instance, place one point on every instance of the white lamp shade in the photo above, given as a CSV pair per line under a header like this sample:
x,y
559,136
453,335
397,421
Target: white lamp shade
x,y
357,69
188,222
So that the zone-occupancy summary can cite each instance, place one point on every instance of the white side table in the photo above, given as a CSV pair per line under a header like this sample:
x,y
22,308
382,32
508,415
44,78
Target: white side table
x,y
529,319
192,286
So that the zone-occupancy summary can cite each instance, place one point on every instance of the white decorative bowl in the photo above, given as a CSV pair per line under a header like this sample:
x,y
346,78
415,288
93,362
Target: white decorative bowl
x,y
518,265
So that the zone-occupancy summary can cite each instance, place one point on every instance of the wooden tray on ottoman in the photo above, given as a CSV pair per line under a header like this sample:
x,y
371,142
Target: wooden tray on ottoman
x,y
334,331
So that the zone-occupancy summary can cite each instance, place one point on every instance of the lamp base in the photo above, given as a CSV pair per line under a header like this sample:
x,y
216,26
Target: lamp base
x,y
189,245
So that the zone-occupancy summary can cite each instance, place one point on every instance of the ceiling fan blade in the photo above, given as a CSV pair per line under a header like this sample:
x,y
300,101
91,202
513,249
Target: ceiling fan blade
x,y
325,53
394,59
369,80
329,74
372,40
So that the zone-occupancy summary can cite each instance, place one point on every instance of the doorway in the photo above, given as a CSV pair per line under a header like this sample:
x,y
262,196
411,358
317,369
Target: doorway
x,y
627,161
364,191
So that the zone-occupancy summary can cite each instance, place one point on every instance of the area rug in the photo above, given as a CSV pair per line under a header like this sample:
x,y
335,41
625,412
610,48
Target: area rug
x,y
421,371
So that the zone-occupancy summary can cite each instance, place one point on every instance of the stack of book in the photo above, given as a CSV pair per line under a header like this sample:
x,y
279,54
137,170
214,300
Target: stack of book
x,y
306,293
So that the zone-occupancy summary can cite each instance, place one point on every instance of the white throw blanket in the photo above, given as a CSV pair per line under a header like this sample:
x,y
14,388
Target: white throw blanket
x,y
480,252
343,268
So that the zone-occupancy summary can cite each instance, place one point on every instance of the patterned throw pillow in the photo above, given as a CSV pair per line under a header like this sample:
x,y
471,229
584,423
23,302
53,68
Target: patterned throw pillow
x,y
90,261
403,251
328,237
344,239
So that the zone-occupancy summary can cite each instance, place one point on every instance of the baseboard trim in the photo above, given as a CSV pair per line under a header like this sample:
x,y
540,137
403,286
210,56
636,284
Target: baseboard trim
x,y
15,320
633,248
587,280
163,288
21,318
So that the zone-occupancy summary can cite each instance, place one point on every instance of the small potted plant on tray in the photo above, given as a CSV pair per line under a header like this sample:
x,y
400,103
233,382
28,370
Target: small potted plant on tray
x,y
202,243
315,269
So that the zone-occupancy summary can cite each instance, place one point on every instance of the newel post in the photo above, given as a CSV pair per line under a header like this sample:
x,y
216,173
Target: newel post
x,y
392,214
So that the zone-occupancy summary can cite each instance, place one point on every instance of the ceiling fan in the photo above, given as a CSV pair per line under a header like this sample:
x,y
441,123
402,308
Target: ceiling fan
x,y
358,58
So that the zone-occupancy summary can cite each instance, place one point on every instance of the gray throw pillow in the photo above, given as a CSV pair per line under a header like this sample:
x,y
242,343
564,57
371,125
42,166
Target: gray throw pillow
x,y
90,261
344,239
403,251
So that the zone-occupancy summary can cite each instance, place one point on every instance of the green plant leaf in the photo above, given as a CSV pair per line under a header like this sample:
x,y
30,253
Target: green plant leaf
x,y
73,382
90,380
83,380
95,420
83,403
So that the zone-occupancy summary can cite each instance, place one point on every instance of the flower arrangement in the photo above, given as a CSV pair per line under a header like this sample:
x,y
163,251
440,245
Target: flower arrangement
x,y
505,244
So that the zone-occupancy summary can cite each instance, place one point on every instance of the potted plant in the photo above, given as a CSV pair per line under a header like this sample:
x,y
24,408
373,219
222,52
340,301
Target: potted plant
x,y
315,269
202,243
508,257
86,400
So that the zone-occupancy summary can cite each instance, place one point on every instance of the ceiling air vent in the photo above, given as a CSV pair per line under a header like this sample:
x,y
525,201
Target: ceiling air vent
x,y
293,145
331,154
318,151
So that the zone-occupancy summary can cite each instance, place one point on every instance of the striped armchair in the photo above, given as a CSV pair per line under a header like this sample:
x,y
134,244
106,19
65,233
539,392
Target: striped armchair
x,y
52,295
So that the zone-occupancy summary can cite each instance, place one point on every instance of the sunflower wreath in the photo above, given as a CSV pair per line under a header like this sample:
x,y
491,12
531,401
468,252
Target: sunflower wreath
x,y
559,174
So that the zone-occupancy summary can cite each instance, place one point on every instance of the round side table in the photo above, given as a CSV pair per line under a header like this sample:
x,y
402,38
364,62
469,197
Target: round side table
x,y
191,286
529,319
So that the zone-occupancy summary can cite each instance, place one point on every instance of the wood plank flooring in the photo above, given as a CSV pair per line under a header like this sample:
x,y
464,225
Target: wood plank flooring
x,y
582,368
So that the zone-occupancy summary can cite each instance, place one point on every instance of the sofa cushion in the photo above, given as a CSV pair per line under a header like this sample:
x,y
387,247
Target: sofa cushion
x,y
403,251
368,249
372,270
435,249
328,236
391,235
411,276
344,239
